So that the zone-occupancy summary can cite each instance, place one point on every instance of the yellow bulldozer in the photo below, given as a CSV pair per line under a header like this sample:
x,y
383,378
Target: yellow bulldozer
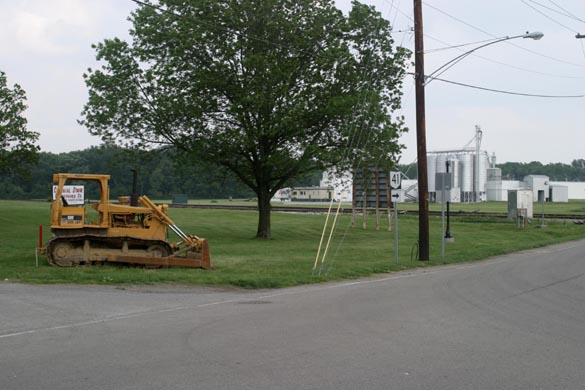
x,y
105,232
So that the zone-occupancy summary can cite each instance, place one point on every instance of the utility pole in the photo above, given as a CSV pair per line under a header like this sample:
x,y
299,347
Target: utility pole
x,y
421,150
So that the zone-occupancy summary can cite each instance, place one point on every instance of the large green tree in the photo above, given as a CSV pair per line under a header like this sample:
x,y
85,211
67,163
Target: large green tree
x,y
17,144
269,89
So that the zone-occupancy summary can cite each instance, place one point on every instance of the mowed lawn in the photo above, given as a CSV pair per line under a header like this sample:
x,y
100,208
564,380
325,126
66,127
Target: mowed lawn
x,y
288,259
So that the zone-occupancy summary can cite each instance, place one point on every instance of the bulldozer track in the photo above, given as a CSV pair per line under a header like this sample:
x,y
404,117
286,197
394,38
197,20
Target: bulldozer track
x,y
66,251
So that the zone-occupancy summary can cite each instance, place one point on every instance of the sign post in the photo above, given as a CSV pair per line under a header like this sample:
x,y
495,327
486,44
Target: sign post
x,y
395,184
448,236
443,180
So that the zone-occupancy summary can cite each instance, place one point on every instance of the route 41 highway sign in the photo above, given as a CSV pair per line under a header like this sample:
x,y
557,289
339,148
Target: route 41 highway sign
x,y
395,180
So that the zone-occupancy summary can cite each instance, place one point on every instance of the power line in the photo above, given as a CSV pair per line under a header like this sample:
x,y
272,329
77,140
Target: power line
x,y
408,30
507,92
563,13
508,43
499,62
457,46
499,90
447,45
569,14
512,66
548,17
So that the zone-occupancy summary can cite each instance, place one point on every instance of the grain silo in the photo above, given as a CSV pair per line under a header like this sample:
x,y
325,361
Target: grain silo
x,y
466,177
431,170
481,179
469,166
454,167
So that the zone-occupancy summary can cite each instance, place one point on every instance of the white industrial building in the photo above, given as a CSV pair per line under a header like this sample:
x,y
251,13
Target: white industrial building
x,y
468,167
575,190
469,171
474,178
543,190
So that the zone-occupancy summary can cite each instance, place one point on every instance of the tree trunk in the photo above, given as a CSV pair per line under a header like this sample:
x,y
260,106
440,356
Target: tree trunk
x,y
264,208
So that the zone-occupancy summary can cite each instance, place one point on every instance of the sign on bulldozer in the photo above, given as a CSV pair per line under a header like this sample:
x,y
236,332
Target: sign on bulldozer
x,y
72,194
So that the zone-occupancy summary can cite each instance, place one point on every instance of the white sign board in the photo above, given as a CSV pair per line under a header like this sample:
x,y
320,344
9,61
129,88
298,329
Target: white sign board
x,y
395,180
398,196
72,194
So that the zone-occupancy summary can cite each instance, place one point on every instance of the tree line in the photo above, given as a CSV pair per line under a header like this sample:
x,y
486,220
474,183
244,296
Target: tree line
x,y
159,175
555,171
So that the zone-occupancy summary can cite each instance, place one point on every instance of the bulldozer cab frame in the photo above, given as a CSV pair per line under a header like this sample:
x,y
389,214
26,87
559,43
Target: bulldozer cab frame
x,y
65,215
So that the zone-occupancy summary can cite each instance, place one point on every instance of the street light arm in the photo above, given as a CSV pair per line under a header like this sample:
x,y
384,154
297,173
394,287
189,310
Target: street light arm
x,y
443,68
455,60
446,67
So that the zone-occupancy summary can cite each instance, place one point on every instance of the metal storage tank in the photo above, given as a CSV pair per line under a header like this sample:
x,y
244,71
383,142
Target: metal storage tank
x,y
482,172
494,174
441,160
494,191
466,172
454,169
431,170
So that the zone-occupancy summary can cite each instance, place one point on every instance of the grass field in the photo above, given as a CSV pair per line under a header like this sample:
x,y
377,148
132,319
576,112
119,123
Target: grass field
x,y
286,260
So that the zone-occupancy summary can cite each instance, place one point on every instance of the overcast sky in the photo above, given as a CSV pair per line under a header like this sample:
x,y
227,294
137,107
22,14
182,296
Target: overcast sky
x,y
46,47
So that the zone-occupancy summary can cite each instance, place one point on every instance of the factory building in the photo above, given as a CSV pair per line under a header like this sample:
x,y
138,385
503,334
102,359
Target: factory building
x,y
475,178
469,172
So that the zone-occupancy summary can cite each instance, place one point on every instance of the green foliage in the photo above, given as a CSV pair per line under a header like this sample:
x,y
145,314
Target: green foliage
x,y
555,171
579,163
17,144
268,89
158,175
287,260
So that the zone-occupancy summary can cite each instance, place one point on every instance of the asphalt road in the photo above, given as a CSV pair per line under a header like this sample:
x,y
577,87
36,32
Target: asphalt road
x,y
512,322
